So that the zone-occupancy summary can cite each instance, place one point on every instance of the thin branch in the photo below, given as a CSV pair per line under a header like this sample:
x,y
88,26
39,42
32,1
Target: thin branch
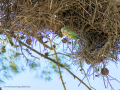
x,y
109,83
51,4
45,45
54,62
58,62
8,36
40,40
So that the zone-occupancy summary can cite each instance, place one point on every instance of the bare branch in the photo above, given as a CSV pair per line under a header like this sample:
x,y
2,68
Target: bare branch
x,y
54,62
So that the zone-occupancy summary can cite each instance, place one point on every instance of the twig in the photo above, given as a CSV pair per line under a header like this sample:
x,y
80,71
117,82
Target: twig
x,y
9,38
58,62
54,62
51,4
109,83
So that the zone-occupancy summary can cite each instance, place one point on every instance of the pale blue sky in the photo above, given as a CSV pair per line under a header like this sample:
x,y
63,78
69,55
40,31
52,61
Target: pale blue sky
x,y
28,78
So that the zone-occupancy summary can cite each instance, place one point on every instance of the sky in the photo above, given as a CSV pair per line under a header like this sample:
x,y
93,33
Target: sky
x,y
27,80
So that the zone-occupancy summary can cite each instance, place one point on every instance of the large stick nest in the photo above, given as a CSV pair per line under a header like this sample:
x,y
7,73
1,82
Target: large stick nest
x,y
98,21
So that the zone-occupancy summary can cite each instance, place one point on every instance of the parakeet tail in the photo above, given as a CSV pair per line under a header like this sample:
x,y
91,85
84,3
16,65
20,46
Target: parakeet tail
x,y
81,38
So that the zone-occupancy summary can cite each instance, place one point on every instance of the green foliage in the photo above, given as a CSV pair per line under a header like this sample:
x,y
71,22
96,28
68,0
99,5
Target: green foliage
x,y
3,50
1,81
48,78
14,67
34,65
17,54
46,72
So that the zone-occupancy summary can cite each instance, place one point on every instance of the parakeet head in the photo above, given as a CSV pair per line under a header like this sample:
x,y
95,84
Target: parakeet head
x,y
64,29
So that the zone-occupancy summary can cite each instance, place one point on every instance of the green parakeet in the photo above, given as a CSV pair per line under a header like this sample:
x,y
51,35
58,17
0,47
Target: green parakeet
x,y
67,32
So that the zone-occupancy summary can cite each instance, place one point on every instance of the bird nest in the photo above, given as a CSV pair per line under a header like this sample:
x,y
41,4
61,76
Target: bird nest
x,y
98,21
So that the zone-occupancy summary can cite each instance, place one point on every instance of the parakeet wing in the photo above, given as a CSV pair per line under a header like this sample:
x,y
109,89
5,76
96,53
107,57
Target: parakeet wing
x,y
71,34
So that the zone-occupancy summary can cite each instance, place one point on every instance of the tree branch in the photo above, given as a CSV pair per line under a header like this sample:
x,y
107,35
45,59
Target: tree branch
x,y
58,62
54,62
